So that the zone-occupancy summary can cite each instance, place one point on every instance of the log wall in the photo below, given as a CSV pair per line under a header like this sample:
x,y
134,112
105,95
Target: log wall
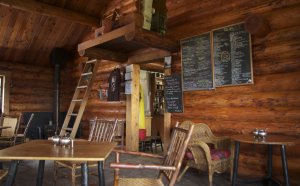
x,y
273,100
96,107
31,88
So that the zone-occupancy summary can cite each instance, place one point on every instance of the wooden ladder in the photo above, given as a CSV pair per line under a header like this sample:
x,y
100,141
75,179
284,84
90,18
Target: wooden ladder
x,y
80,98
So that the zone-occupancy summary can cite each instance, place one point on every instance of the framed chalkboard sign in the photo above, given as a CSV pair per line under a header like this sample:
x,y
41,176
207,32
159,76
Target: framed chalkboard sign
x,y
197,68
232,56
173,93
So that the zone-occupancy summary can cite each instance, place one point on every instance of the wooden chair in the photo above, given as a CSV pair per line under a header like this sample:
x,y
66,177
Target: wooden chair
x,y
206,152
21,138
101,130
8,136
3,173
119,134
169,168
1,118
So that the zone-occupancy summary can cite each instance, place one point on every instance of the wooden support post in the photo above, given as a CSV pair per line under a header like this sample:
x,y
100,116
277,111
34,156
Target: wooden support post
x,y
167,123
132,112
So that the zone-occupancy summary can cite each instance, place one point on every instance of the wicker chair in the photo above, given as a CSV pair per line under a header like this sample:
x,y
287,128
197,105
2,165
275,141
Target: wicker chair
x,y
101,130
170,167
206,152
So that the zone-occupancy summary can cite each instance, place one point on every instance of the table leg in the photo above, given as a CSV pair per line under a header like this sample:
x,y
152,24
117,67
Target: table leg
x,y
12,173
235,162
155,145
40,176
84,174
101,173
284,165
270,165
143,146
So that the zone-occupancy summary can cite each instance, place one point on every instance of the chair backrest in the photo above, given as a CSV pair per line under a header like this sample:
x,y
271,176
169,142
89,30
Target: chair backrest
x,y
1,118
102,130
201,130
119,133
28,124
176,151
9,122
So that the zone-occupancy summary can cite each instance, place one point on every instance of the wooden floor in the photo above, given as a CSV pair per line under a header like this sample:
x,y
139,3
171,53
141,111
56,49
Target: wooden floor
x,y
26,175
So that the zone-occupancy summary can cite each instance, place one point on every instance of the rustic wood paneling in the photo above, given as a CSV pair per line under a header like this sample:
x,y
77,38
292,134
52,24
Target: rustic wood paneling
x,y
31,88
28,36
273,100
95,106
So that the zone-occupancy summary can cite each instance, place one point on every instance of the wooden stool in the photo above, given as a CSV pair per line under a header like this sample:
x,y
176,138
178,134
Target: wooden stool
x,y
146,143
157,141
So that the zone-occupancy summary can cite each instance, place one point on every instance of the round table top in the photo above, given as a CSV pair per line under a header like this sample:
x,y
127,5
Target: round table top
x,y
270,139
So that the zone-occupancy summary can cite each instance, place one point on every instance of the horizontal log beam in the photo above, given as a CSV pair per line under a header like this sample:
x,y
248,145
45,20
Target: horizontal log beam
x,y
156,67
52,11
148,56
155,40
103,54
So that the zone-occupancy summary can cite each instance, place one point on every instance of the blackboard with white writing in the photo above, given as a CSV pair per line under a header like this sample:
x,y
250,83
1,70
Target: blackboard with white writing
x,y
173,93
232,56
196,63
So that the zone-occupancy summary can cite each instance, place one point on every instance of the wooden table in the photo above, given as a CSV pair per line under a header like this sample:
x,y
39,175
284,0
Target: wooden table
x,y
269,140
42,150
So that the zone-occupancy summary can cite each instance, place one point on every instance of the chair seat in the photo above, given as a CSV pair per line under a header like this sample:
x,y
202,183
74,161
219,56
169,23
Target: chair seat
x,y
140,182
219,154
215,154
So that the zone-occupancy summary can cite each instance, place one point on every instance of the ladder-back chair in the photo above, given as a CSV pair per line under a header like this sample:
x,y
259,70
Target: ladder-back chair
x,y
101,130
8,135
1,118
3,173
169,168
21,138
119,134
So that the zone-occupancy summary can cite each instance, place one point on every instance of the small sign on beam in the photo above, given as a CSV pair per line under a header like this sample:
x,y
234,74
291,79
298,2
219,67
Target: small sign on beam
x,y
168,61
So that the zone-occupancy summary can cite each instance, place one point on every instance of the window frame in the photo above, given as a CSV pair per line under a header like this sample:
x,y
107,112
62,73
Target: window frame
x,y
6,77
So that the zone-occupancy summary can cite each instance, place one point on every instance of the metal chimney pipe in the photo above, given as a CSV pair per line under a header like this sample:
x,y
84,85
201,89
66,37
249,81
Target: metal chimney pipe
x,y
56,100
57,57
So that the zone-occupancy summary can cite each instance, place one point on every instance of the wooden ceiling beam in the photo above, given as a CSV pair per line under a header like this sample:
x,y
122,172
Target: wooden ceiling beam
x,y
156,67
99,53
52,11
146,57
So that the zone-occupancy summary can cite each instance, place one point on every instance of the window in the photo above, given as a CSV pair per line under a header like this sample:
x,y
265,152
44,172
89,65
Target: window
x,y
5,77
1,93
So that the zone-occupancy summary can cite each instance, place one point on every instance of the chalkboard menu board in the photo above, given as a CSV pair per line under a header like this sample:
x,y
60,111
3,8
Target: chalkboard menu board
x,y
232,56
173,93
196,63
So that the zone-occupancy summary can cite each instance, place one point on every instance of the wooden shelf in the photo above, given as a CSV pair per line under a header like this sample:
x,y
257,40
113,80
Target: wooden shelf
x,y
126,40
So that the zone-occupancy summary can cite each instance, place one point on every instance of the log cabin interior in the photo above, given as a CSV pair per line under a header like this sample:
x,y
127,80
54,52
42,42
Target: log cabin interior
x,y
44,45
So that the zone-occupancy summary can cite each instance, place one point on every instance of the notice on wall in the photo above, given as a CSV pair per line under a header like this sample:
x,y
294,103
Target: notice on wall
x,y
197,72
232,56
173,93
